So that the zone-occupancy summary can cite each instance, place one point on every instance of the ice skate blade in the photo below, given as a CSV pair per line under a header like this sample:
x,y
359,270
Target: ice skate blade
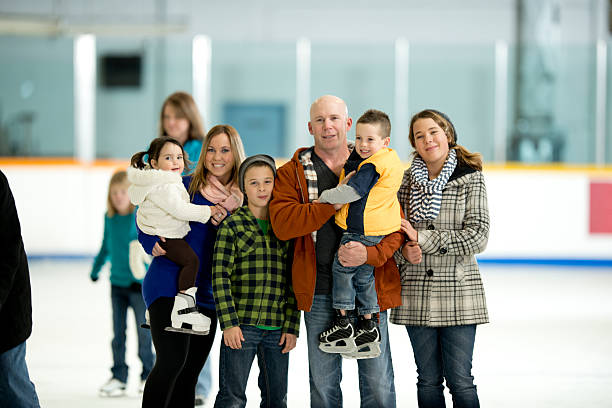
x,y
368,350
112,394
186,331
329,348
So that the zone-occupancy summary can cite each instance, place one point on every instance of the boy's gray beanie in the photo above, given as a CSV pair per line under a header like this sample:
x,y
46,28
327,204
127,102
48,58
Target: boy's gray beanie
x,y
249,161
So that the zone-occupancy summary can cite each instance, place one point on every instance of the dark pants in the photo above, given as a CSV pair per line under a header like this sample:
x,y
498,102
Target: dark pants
x,y
179,252
235,366
179,359
444,353
122,299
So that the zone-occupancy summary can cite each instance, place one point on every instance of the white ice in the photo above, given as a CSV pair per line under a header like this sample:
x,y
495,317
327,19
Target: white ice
x,y
548,343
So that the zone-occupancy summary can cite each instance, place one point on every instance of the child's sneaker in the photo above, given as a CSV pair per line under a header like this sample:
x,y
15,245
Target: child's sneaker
x,y
185,316
113,388
340,338
367,340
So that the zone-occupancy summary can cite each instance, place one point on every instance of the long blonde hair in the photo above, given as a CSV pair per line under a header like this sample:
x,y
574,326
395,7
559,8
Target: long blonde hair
x,y
184,106
464,156
198,179
119,177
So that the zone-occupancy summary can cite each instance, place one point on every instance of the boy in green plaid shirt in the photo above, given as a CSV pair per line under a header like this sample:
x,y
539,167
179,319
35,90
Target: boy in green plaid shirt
x,y
254,299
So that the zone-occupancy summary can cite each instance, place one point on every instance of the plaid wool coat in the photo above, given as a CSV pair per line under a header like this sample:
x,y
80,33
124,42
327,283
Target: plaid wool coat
x,y
445,289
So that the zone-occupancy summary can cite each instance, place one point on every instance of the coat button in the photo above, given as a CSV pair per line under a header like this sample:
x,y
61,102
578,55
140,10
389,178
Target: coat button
x,y
430,272
431,227
443,251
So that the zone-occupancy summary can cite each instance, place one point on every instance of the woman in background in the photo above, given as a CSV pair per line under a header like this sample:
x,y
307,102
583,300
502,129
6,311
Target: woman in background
x,y
181,120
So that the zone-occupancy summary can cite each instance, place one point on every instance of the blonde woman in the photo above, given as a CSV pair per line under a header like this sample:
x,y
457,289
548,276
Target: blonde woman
x,y
180,357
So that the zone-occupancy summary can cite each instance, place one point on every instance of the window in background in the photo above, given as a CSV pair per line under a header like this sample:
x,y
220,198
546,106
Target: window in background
x,y
36,103
250,75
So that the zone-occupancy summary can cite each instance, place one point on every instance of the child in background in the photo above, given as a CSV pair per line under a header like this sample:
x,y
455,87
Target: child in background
x,y
164,210
254,299
371,210
121,247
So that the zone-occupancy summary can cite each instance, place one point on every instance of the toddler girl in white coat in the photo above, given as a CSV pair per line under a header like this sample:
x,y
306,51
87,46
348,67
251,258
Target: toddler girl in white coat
x,y
164,210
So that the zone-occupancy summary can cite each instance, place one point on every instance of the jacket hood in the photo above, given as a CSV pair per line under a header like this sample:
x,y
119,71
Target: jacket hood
x,y
144,180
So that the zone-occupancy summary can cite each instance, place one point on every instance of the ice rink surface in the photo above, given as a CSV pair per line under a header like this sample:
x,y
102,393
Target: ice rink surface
x,y
548,343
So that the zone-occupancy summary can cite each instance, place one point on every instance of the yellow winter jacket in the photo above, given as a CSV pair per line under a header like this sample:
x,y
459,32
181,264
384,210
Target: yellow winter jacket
x,y
381,210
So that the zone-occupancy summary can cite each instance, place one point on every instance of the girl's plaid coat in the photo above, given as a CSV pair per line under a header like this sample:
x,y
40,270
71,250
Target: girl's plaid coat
x,y
445,289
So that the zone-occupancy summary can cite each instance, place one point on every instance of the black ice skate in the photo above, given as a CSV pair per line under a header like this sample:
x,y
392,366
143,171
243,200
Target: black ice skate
x,y
340,338
367,340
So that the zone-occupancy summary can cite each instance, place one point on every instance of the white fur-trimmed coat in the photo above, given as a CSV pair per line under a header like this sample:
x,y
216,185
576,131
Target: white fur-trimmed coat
x,y
163,203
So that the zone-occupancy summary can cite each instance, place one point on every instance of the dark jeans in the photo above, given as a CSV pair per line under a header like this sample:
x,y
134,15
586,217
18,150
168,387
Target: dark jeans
x,y
179,252
444,353
235,366
16,389
179,359
121,299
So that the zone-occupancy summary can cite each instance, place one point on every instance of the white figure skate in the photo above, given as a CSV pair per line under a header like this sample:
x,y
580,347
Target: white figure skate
x,y
185,316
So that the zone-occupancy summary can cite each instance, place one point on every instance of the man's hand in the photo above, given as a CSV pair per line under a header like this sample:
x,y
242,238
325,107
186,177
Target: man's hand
x,y
412,252
352,253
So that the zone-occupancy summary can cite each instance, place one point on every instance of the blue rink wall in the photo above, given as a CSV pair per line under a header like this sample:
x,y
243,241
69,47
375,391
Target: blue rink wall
x,y
538,215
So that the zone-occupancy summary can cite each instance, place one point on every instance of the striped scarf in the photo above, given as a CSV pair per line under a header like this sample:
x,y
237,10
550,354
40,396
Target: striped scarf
x,y
426,194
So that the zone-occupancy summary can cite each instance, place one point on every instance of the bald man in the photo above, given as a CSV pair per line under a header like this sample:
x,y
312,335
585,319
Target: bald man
x,y
316,239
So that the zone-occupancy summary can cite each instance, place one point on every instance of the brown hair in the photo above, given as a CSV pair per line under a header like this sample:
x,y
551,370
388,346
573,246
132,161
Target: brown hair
x,y
119,177
376,117
464,156
198,178
185,107
153,152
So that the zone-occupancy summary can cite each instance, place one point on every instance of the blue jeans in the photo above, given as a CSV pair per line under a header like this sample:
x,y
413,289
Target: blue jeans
x,y
355,282
235,365
444,353
121,299
204,380
16,389
376,380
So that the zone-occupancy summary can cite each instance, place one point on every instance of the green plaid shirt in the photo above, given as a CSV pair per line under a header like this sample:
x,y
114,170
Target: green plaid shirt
x,y
251,276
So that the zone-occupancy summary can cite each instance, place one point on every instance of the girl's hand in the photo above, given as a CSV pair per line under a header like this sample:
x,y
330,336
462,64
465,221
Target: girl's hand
x,y
217,214
157,249
412,252
409,230
289,340
233,337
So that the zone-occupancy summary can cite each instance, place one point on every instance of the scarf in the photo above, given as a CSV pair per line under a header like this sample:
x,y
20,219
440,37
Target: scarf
x,y
426,194
228,196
